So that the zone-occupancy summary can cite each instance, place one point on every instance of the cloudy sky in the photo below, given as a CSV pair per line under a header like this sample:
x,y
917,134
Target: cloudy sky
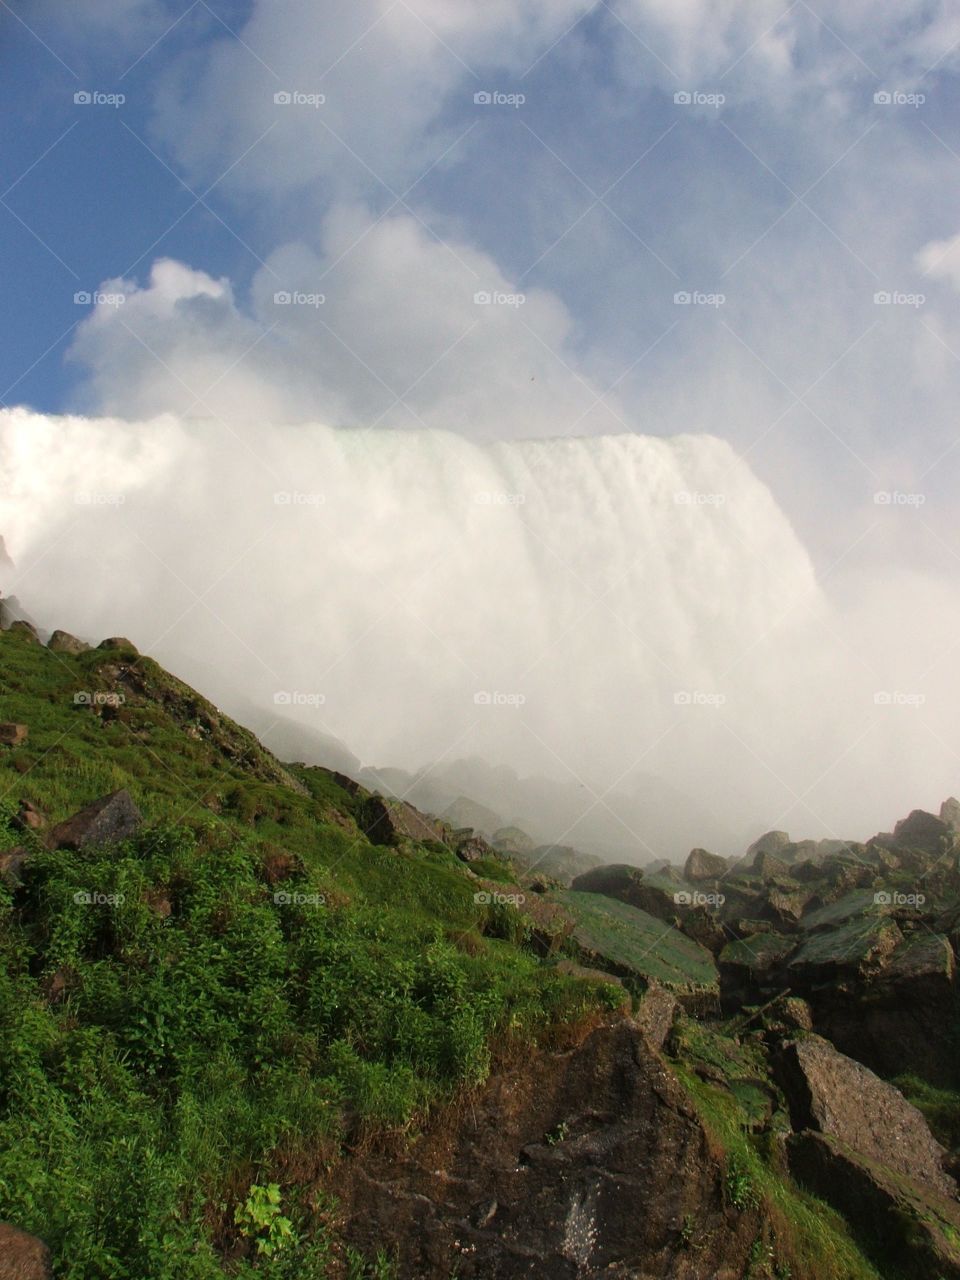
x,y
779,165
511,221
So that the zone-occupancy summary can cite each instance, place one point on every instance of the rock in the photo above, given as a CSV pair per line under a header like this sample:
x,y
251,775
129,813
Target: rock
x,y
950,814
11,864
855,949
574,970
512,840
773,842
808,871
29,817
118,642
767,867
788,1015
547,924
25,630
473,849
22,1256
655,1014
832,1094
13,735
107,821
582,1164
787,905
64,642
701,865
158,902
388,822
921,830
905,1230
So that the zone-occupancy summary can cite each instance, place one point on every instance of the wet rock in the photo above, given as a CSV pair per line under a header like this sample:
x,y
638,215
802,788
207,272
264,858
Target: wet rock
x,y
772,842
25,630
64,642
386,821
838,1096
701,865
473,848
768,867
108,820
905,1229
923,831
656,1013
119,642
950,814
22,1256
583,1164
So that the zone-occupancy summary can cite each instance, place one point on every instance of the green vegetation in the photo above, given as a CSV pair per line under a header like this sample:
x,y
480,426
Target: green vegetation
x,y
637,944
193,1023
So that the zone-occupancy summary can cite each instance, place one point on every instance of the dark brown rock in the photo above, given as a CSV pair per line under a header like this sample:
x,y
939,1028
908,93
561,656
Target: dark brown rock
x,y
25,630
29,817
655,1014
473,849
22,1256
13,735
772,842
107,821
921,830
585,1162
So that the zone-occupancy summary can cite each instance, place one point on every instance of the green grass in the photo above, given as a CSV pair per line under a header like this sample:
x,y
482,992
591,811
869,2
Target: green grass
x,y
193,1036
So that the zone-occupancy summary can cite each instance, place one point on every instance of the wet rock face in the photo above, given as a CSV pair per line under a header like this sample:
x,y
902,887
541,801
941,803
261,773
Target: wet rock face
x,y
107,821
701,865
585,1164
22,1256
834,1095
388,822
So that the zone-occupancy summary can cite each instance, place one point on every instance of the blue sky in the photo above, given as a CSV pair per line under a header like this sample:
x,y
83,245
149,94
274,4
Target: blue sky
x,y
788,192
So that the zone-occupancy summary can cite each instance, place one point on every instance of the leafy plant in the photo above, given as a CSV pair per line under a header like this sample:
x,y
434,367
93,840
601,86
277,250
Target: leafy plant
x,y
260,1219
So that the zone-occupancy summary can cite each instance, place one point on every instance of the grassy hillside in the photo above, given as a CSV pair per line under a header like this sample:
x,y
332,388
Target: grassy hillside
x,y
253,987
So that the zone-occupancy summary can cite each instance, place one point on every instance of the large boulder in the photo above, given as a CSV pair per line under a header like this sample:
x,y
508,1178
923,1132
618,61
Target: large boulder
x,y
924,831
22,1256
512,840
769,867
107,821
770,842
389,822
906,1231
835,1095
701,865
120,643
582,1163
64,642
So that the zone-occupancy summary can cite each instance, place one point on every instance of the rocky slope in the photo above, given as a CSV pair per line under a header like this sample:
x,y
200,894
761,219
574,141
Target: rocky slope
x,y
257,1019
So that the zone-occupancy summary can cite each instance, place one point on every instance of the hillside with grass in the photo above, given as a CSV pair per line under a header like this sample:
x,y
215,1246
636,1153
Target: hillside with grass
x,y
256,1020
